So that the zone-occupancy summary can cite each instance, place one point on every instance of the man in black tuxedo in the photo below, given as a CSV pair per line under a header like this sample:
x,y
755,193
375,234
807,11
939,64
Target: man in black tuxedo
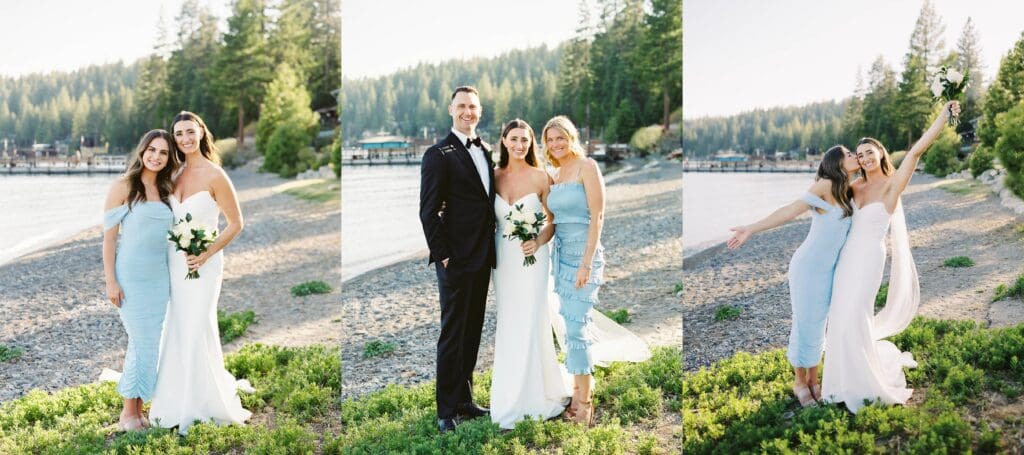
x,y
457,212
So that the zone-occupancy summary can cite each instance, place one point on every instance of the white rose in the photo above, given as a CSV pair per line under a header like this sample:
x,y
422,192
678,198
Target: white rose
x,y
954,76
508,228
183,243
937,87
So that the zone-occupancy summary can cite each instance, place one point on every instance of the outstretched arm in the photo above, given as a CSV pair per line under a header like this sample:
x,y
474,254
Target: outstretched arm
x,y
902,177
780,216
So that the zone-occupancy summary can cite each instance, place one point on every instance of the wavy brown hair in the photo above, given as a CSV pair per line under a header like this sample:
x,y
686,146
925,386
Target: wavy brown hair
x,y
531,153
133,174
831,168
886,162
206,145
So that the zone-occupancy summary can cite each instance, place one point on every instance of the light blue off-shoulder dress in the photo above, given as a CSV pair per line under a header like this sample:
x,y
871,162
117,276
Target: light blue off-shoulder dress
x,y
568,203
810,281
141,270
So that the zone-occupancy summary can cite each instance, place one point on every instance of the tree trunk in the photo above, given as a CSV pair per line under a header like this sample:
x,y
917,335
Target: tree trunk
x,y
241,125
666,113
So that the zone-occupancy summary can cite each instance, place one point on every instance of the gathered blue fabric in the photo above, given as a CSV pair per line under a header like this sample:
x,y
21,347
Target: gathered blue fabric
x,y
568,203
811,271
141,271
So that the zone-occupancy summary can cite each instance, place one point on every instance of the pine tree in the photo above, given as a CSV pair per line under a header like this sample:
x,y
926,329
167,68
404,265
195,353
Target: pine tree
x,y
243,66
969,61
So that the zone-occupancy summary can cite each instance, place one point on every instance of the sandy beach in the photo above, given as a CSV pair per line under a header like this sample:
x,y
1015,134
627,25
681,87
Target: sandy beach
x,y
53,306
942,225
642,238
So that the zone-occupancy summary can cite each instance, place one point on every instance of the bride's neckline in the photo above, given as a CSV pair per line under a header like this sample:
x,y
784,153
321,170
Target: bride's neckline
x,y
869,204
190,196
510,204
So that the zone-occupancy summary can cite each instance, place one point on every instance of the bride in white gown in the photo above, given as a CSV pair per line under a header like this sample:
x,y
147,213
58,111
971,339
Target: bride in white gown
x,y
527,380
860,365
192,384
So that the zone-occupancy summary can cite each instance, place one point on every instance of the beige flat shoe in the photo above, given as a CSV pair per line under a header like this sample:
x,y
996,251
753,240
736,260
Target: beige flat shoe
x,y
803,395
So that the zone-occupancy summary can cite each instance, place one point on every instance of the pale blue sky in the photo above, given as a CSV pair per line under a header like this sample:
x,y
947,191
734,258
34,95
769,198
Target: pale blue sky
x,y
743,54
382,36
61,35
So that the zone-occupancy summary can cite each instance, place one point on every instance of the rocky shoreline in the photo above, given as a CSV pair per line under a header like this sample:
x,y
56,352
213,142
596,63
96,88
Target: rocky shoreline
x,y
946,218
52,302
398,304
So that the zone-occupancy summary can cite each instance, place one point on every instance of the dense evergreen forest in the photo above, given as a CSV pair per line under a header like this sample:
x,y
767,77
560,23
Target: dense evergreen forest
x,y
620,72
222,75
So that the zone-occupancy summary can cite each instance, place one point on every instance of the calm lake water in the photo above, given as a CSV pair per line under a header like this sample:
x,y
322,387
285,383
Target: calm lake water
x,y
713,203
380,222
38,210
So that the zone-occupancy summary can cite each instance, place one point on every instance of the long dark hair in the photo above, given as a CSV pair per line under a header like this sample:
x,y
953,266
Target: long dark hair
x,y
886,162
531,153
133,175
831,168
206,146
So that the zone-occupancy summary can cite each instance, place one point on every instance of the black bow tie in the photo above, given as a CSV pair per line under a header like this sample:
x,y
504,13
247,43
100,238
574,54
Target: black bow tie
x,y
475,141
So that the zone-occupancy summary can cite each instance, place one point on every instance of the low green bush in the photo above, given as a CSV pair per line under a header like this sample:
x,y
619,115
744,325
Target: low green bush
x,y
620,316
233,325
310,287
9,353
727,313
958,261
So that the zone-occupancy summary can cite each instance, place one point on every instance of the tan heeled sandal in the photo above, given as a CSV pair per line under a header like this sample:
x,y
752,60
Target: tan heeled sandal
x,y
803,395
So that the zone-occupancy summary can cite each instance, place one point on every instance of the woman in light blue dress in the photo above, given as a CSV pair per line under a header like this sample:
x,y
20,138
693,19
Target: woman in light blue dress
x,y
576,202
135,227
813,265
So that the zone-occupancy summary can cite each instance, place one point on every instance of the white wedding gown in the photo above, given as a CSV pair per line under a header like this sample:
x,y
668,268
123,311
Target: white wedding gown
x,y
859,364
192,383
527,379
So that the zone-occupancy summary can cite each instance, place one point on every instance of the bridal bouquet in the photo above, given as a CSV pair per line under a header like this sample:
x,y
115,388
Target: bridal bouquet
x,y
191,238
523,226
948,84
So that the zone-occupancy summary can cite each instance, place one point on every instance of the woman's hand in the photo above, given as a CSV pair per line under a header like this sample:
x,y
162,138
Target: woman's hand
x,y
529,247
951,108
739,237
195,262
582,276
114,293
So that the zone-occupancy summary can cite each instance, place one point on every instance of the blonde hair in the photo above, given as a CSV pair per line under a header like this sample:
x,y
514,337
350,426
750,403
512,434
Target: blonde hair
x,y
569,130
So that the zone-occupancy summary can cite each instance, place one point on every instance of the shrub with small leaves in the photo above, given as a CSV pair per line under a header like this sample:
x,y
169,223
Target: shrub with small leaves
x,y
377,348
233,325
9,353
311,287
959,261
727,313
620,316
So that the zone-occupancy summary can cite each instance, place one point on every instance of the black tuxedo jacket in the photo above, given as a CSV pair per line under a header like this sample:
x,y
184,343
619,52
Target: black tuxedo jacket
x,y
464,231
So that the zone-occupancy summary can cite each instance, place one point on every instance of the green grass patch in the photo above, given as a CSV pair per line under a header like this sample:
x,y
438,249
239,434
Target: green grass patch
x,y
883,293
620,316
295,410
727,312
9,353
743,404
322,191
233,325
677,289
377,348
1014,290
629,399
964,187
310,287
959,261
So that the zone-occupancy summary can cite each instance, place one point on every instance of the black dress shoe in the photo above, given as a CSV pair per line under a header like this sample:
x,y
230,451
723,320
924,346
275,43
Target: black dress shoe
x,y
446,425
471,410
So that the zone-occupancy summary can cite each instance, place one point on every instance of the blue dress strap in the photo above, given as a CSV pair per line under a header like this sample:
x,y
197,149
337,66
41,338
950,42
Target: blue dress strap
x,y
114,216
815,201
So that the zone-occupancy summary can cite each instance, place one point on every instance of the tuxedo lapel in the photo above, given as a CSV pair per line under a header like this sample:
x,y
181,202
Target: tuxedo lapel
x,y
467,162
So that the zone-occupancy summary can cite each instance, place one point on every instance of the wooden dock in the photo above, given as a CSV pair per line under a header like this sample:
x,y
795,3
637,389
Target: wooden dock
x,y
749,168
60,170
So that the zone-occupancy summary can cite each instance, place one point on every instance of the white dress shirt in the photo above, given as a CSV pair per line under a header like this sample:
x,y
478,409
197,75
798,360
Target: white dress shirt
x,y
479,160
